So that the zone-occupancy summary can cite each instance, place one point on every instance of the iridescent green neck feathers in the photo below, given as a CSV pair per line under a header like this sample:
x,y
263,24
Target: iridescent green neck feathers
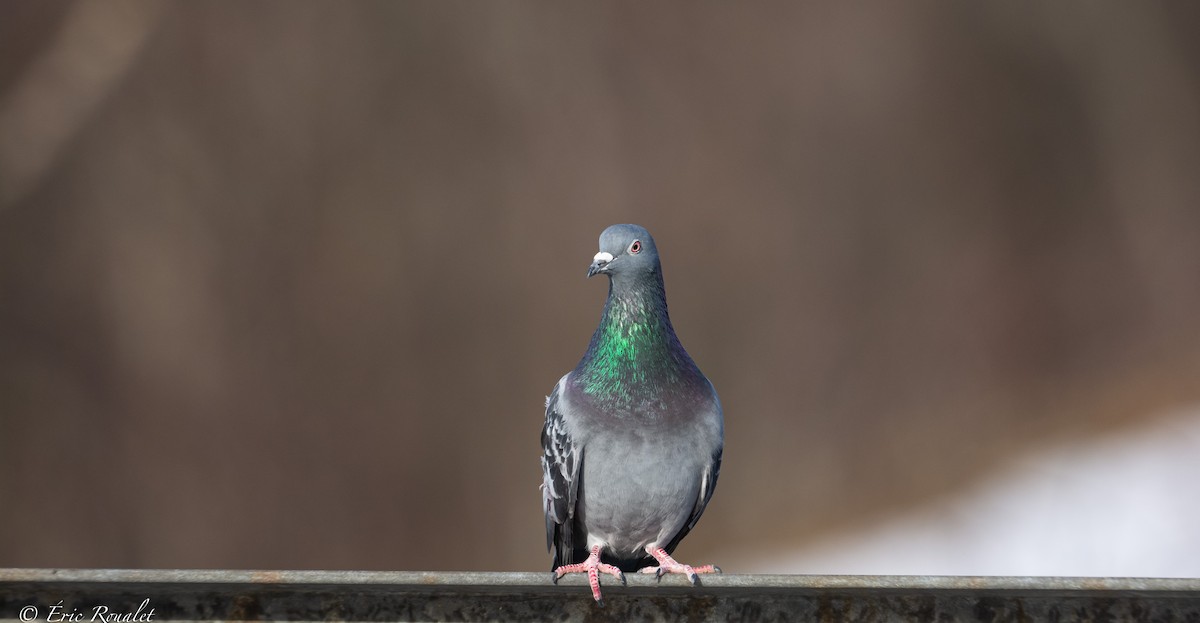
x,y
634,357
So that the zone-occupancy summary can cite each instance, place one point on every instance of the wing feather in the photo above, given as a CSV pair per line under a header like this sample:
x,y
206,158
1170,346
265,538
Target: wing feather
x,y
561,460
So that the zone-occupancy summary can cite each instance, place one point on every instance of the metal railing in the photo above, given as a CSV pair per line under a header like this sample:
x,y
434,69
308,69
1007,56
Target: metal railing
x,y
148,596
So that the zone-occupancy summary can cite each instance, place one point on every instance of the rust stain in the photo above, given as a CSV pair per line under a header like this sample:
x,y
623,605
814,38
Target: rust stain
x,y
266,577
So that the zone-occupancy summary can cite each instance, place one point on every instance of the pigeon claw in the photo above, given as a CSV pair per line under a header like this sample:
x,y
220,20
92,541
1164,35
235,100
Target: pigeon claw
x,y
593,568
666,565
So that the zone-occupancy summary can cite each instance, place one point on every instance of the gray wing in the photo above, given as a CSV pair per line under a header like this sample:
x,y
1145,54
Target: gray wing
x,y
708,484
561,459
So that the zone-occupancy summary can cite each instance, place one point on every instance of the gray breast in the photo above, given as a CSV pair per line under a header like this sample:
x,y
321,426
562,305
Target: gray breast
x,y
636,490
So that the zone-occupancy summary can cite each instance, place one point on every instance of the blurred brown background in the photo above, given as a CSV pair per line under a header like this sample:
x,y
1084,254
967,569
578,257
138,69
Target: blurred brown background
x,y
283,285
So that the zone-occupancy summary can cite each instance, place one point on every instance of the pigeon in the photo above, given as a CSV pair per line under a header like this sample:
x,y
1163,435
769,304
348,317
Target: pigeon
x,y
633,435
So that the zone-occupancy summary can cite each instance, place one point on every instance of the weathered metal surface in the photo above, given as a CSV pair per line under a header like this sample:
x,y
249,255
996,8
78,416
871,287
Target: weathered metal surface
x,y
145,596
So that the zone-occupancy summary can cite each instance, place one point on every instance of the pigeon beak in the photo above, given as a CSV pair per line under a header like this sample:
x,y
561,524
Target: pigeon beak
x,y
599,264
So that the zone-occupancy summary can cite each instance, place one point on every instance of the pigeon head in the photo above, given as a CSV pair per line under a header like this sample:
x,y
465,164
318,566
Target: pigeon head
x,y
627,255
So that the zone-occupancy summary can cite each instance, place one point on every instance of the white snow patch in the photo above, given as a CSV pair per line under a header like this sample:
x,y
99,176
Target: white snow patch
x,y
1126,505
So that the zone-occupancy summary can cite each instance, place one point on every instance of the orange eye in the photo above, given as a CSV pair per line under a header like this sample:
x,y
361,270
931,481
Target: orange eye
x,y
636,247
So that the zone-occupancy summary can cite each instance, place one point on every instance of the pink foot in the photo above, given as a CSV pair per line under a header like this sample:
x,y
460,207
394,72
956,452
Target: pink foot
x,y
593,567
666,565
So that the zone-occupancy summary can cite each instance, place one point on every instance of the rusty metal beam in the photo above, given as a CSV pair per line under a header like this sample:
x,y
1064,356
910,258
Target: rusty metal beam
x,y
73,596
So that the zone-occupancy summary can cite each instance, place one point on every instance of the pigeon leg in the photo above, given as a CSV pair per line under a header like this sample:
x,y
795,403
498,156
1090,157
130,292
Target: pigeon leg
x,y
666,564
593,567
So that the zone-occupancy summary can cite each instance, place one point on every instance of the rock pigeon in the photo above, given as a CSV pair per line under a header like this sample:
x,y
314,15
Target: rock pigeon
x,y
633,435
